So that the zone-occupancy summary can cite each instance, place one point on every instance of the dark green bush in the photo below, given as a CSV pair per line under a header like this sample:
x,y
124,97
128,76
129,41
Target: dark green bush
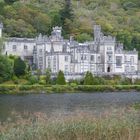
x,y
33,80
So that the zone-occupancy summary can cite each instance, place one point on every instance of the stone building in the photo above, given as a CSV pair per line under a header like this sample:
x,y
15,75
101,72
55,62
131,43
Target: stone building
x,y
101,56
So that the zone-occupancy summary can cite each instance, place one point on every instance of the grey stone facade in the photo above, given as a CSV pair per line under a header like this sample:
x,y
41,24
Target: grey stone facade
x,y
103,55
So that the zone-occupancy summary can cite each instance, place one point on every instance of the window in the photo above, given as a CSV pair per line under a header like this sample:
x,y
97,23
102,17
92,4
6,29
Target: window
x,y
92,68
49,62
25,47
99,68
66,58
54,63
132,69
66,68
54,69
125,58
14,47
126,68
92,57
99,58
132,60
109,58
109,48
118,61
40,51
85,57
82,57
40,59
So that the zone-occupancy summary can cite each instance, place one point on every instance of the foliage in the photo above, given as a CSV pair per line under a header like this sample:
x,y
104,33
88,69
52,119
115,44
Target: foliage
x,y
88,80
60,78
15,80
6,69
117,18
66,17
19,67
84,37
33,80
48,76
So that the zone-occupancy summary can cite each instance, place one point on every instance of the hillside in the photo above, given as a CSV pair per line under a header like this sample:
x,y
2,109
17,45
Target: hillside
x,y
120,18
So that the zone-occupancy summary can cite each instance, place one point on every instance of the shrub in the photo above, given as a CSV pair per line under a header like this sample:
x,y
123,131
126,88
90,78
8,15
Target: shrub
x,y
19,67
15,80
60,78
126,81
88,80
48,76
42,82
33,79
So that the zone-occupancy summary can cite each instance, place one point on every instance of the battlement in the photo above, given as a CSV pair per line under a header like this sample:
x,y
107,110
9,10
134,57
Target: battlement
x,y
57,28
56,33
100,37
109,39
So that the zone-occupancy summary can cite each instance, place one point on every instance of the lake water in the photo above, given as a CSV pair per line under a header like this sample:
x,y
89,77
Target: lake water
x,y
65,104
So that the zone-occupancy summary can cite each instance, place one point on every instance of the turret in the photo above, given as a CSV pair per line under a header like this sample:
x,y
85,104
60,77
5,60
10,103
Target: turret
x,y
1,27
57,31
97,33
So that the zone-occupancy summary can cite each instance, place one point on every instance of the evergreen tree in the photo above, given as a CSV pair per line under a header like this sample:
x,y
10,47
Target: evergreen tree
x,y
88,80
10,1
60,78
19,66
67,17
48,76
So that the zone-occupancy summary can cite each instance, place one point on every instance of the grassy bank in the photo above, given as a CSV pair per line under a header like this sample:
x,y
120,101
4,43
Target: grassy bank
x,y
13,89
117,126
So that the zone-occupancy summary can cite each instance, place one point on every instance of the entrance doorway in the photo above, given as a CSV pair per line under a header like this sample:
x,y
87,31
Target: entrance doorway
x,y
108,69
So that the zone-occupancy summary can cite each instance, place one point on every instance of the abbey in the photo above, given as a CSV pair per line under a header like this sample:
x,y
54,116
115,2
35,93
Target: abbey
x,y
101,56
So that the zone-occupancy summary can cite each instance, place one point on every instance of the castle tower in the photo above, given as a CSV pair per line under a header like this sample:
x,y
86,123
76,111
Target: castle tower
x,y
97,33
1,27
57,31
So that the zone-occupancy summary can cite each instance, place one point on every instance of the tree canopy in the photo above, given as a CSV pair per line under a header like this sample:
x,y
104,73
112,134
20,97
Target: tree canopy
x,y
120,18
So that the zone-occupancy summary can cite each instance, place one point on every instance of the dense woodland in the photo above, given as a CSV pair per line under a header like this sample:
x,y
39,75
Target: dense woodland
x,y
28,18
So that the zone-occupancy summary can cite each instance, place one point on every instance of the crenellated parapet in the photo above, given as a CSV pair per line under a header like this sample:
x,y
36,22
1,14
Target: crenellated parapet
x,y
56,34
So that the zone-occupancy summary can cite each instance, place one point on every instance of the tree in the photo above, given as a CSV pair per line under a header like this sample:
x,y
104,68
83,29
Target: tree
x,y
6,68
60,78
88,80
19,67
83,37
10,1
67,17
125,37
48,76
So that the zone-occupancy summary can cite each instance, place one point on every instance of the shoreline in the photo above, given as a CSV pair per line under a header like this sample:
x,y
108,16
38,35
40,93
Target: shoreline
x,y
39,89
